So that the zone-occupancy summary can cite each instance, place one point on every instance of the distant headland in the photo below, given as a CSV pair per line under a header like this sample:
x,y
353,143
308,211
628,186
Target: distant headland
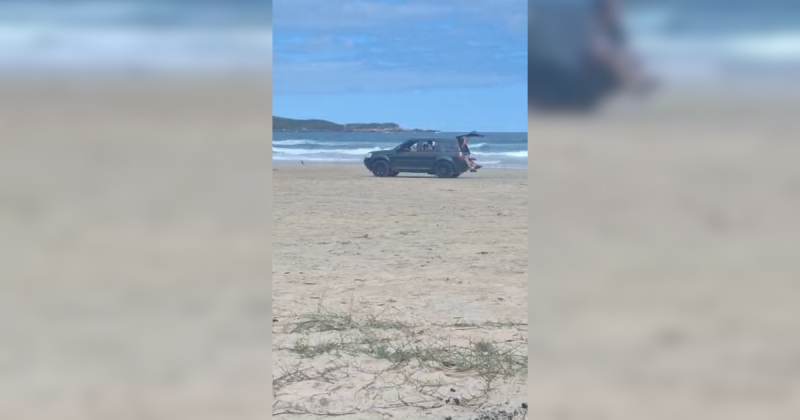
x,y
292,125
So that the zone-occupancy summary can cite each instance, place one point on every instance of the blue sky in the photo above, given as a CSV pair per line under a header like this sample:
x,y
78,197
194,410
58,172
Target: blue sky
x,y
451,65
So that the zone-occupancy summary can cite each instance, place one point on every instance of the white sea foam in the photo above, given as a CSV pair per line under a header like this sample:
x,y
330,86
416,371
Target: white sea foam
x,y
501,150
315,159
308,142
517,154
97,35
304,152
755,47
364,151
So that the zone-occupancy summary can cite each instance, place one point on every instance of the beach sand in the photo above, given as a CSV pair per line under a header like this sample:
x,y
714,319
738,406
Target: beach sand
x,y
666,243
420,262
134,218
134,278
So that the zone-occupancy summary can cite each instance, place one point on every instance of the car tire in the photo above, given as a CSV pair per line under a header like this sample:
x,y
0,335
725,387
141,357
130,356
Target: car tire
x,y
381,168
444,169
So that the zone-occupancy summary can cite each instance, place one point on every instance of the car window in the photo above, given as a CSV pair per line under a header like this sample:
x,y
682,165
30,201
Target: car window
x,y
406,147
425,146
447,146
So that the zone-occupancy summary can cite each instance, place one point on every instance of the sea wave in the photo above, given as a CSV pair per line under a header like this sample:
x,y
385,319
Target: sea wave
x,y
774,47
302,152
163,49
308,142
697,40
315,159
517,154
498,150
364,151
160,35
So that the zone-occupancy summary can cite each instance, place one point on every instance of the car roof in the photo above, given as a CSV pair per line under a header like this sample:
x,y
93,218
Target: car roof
x,y
433,139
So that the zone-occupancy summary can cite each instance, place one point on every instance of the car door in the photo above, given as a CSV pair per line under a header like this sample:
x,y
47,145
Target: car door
x,y
403,159
424,160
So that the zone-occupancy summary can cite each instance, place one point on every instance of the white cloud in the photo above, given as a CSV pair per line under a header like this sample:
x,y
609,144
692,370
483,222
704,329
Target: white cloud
x,y
354,45
365,13
352,13
349,76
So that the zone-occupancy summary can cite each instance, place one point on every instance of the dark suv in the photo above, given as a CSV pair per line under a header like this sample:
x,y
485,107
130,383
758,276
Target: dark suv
x,y
440,157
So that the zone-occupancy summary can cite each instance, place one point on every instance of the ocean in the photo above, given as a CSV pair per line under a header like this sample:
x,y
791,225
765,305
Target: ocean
x,y
499,150
716,41
150,35
682,40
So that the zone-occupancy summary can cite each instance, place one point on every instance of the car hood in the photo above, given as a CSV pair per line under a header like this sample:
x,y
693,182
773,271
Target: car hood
x,y
380,152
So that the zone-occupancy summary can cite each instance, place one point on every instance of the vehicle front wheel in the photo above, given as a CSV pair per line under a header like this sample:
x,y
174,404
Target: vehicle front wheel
x,y
381,168
444,169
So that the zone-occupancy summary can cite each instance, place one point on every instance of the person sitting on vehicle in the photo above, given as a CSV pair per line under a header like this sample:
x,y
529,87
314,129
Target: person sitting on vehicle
x,y
462,143
609,46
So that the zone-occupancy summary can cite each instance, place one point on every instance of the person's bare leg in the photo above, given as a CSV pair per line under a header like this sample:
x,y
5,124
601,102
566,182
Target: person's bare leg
x,y
631,74
624,67
473,167
470,164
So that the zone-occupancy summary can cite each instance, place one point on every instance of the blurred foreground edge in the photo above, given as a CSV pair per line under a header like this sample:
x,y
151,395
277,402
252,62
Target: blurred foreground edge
x,y
567,72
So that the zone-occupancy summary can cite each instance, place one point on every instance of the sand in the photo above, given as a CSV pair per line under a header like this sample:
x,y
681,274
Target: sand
x,y
134,219
428,252
134,278
666,259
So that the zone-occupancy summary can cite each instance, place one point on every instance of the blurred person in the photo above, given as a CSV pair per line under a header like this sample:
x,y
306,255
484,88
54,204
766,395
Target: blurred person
x,y
578,54
610,47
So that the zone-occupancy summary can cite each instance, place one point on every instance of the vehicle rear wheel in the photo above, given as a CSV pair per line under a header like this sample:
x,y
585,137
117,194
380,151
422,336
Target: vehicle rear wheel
x,y
381,168
444,169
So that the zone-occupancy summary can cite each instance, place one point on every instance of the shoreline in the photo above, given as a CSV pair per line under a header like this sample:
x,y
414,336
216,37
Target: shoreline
x,y
327,165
